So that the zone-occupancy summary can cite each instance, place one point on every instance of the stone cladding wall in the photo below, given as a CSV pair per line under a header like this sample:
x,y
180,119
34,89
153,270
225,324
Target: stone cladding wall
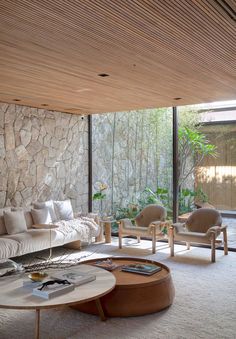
x,y
43,155
131,151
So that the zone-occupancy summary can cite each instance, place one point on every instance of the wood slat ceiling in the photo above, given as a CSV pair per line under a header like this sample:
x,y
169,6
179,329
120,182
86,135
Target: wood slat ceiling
x,y
154,51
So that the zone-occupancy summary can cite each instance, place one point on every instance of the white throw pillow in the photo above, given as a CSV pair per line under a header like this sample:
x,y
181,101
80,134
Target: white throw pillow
x,y
41,216
2,223
64,210
49,204
15,222
27,214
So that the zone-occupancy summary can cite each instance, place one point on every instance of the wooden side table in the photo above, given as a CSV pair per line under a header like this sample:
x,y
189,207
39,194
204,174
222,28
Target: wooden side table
x,y
106,229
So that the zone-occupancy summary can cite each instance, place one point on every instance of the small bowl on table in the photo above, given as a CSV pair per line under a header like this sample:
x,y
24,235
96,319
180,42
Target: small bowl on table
x,y
37,276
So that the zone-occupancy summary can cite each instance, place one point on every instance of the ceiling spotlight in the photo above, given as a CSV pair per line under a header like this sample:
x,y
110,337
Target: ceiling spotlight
x,y
177,98
44,105
16,100
103,75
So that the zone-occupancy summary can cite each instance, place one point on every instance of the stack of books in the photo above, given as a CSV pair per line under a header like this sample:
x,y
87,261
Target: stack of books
x,y
145,269
59,283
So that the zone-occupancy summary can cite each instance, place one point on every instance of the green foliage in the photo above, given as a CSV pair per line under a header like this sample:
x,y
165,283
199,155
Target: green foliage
x,y
99,196
163,198
196,141
193,147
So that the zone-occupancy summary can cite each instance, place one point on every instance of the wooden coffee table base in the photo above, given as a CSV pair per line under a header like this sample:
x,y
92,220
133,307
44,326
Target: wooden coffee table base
x,y
134,294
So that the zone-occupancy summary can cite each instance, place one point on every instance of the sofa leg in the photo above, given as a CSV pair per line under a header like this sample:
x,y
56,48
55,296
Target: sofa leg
x,y
75,245
225,241
213,249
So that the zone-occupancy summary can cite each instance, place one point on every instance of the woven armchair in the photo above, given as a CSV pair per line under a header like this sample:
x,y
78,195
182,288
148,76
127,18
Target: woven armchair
x,y
149,223
203,226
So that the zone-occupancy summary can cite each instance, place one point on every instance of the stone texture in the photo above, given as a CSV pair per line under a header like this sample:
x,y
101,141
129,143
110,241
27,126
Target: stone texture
x,y
36,149
9,137
25,137
129,154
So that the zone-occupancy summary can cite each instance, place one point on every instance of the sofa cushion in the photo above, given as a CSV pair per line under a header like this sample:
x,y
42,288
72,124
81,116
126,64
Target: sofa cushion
x,y
14,222
36,240
8,248
64,210
27,214
49,204
2,223
41,216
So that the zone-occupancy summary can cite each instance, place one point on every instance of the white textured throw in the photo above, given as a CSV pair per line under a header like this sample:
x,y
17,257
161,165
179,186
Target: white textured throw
x,y
84,226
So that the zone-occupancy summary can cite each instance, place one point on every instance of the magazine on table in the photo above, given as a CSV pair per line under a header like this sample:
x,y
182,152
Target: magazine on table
x,y
107,264
146,269
52,288
75,277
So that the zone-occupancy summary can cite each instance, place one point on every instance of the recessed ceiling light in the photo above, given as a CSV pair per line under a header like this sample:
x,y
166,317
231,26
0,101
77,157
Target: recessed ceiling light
x,y
177,98
44,105
16,100
103,75
83,90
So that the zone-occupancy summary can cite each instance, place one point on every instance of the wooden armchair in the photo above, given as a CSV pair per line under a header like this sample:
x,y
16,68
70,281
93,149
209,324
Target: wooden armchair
x,y
203,226
150,223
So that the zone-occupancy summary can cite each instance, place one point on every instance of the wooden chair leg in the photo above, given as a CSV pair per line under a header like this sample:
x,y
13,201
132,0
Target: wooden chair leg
x,y
225,241
120,240
171,241
154,240
213,248
138,238
188,245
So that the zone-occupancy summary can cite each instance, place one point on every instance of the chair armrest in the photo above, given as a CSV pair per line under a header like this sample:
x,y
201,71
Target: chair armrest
x,y
124,222
159,225
213,230
179,227
223,227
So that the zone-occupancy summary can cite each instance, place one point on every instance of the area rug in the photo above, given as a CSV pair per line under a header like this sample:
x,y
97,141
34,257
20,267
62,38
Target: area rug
x,y
204,305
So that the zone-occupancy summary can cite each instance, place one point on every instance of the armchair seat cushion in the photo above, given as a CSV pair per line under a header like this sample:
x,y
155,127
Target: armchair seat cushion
x,y
135,230
194,237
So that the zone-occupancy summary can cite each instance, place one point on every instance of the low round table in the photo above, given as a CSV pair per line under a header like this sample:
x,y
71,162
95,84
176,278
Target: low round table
x,y
14,296
134,294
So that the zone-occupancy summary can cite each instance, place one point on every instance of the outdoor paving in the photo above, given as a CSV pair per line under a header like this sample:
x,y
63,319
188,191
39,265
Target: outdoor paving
x,y
231,223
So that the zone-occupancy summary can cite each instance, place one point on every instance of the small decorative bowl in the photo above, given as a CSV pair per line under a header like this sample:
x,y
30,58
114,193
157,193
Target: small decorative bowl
x,y
37,276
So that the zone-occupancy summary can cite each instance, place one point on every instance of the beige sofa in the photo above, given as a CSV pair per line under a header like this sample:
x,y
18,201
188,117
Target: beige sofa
x,y
18,236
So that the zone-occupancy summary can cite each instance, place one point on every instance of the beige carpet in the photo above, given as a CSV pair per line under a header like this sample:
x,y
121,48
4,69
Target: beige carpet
x,y
204,305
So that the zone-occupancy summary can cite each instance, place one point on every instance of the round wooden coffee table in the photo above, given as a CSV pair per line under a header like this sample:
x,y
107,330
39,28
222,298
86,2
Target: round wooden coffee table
x,y
14,296
134,294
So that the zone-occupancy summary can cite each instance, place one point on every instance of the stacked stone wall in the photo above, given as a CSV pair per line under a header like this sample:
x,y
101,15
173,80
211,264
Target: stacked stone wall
x,y
43,155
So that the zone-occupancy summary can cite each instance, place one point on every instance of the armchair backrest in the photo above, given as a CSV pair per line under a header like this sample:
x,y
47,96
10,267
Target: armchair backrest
x,y
202,219
150,213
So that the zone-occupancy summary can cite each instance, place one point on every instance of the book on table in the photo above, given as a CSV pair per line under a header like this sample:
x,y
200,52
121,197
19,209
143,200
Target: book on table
x,y
146,269
74,276
107,264
51,289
